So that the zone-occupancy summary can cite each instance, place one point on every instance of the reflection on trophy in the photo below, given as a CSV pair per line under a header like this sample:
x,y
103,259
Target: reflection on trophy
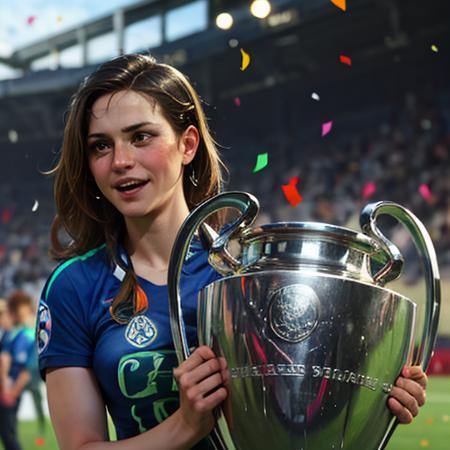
x,y
312,338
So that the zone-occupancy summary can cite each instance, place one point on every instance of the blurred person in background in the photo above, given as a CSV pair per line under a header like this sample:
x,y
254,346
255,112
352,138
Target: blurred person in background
x,y
16,359
5,322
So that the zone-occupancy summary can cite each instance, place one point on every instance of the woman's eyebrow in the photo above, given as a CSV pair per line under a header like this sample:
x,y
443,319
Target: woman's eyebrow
x,y
128,129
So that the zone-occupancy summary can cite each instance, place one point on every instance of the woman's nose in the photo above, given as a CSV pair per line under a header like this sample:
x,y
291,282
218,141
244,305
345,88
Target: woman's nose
x,y
123,156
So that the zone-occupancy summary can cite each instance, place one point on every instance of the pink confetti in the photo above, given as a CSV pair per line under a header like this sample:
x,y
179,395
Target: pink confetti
x,y
425,192
326,128
237,101
30,20
368,190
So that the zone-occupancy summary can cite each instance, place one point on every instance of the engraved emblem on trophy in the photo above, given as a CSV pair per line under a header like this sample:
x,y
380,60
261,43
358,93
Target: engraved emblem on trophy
x,y
313,336
294,312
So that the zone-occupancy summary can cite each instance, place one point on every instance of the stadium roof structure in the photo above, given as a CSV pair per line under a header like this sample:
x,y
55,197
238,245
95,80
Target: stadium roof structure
x,y
299,43
115,21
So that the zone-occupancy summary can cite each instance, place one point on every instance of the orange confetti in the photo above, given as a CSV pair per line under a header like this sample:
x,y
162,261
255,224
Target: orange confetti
x,y
291,192
424,443
39,441
341,4
429,421
345,60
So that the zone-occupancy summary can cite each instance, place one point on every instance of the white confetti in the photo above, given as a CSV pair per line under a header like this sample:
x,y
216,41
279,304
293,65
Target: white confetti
x,y
315,96
233,43
13,136
35,206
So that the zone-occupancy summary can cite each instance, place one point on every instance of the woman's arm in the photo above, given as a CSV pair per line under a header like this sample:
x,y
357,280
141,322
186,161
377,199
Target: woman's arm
x,y
79,417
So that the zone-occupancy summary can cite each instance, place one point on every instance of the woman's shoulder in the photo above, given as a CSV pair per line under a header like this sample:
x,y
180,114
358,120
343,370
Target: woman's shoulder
x,y
79,272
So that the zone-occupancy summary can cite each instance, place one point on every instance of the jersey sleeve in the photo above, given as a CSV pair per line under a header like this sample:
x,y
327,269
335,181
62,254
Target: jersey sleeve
x,y
62,327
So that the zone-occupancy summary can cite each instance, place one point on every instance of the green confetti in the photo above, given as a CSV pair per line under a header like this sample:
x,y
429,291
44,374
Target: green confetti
x,y
434,48
261,162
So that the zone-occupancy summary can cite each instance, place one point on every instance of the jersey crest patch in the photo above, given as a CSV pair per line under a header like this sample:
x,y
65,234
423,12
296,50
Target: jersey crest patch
x,y
140,332
44,326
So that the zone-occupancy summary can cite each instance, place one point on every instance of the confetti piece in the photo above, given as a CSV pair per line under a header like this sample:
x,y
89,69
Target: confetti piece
x,y
326,128
434,48
233,43
368,190
59,19
425,192
245,59
39,441
13,136
424,443
315,96
341,4
429,421
237,101
261,162
35,206
446,418
30,20
345,60
6,216
291,193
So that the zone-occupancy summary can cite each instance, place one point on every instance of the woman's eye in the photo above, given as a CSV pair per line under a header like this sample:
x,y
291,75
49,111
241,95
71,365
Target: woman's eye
x,y
142,137
99,147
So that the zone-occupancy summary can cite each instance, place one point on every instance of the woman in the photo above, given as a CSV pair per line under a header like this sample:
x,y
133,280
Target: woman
x,y
137,156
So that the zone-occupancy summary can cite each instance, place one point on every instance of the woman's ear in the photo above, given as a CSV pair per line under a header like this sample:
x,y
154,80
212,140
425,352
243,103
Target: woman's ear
x,y
189,143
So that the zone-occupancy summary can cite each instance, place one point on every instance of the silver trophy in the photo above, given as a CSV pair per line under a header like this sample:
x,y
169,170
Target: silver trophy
x,y
312,338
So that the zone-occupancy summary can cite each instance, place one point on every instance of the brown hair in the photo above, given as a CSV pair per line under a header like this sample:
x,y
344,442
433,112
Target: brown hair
x,y
17,299
90,222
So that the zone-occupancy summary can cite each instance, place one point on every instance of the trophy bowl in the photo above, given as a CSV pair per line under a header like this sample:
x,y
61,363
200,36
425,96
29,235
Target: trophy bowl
x,y
313,339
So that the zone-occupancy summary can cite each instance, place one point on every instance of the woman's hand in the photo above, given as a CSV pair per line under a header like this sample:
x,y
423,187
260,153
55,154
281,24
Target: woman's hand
x,y
200,379
408,394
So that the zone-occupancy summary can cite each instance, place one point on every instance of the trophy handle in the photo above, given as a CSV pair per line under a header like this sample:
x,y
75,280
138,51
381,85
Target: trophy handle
x,y
426,250
424,246
219,257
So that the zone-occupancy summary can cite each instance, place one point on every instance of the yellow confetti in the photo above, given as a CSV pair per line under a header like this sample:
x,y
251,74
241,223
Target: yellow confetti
x,y
424,443
245,59
434,48
446,418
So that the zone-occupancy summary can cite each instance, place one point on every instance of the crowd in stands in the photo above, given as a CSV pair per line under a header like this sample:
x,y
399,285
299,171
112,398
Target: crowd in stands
x,y
405,158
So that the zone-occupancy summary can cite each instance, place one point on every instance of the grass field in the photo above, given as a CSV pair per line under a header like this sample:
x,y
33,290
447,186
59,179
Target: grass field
x,y
430,430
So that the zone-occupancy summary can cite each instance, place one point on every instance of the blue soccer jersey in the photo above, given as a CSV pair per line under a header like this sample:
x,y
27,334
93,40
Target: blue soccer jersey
x,y
19,343
133,363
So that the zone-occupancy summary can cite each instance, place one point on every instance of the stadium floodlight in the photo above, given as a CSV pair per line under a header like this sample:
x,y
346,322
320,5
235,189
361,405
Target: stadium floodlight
x,y
260,8
224,21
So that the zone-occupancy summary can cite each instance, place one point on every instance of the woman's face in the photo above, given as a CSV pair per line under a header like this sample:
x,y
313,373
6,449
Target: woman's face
x,y
134,154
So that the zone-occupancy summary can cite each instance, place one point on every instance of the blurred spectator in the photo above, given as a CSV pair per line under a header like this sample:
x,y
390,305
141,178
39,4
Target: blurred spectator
x,y
17,358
